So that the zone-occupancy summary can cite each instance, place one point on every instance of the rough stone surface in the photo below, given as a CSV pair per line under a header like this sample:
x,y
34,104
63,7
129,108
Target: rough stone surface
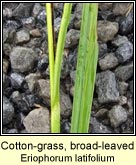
x,y
31,80
107,30
35,33
126,24
124,52
131,86
125,72
120,8
16,80
37,121
108,62
106,87
22,36
117,115
72,38
122,86
98,127
119,40
105,6
43,89
22,59
8,111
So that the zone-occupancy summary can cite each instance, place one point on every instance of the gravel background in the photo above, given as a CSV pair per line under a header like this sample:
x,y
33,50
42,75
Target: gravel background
x,y
26,96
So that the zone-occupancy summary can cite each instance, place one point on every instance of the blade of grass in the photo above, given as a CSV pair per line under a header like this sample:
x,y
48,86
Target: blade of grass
x,y
58,63
86,70
51,56
55,66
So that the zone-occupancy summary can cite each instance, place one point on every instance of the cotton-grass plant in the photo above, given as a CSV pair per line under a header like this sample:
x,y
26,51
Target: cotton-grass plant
x,y
85,70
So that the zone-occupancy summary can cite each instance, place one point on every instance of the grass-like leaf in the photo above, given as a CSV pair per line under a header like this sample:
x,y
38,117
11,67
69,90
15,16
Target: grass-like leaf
x,y
86,69
55,66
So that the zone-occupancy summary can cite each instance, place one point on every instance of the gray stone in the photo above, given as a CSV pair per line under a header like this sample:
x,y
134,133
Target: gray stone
x,y
78,11
125,72
107,30
126,24
12,131
72,91
73,76
5,34
22,36
105,6
16,80
8,111
43,89
119,40
38,121
22,59
72,38
98,127
6,49
28,21
31,80
41,17
102,49
106,87
43,62
120,8
101,113
108,62
122,100
57,23
122,87
36,9
23,10
7,12
117,115
124,52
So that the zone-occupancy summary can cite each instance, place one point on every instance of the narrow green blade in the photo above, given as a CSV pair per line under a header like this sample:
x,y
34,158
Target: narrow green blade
x,y
86,69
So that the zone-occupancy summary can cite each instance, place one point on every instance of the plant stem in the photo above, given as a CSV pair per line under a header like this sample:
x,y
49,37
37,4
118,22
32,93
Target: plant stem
x,y
58,64
55,67
51,56
86,69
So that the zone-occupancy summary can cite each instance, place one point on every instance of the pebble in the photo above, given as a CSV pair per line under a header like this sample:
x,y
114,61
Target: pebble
x,y
35,33
122,87
126,24
12,131
73,76
105,6
72,38
22,36
120,8
122,100
43,89
119,40
41,17
37,121
16,80
117,115
43,62
36,9
107,30
98,127
102,49
124,52
31,80
125,72
8,111
6,49
108,62
22,59
106,87
23,10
